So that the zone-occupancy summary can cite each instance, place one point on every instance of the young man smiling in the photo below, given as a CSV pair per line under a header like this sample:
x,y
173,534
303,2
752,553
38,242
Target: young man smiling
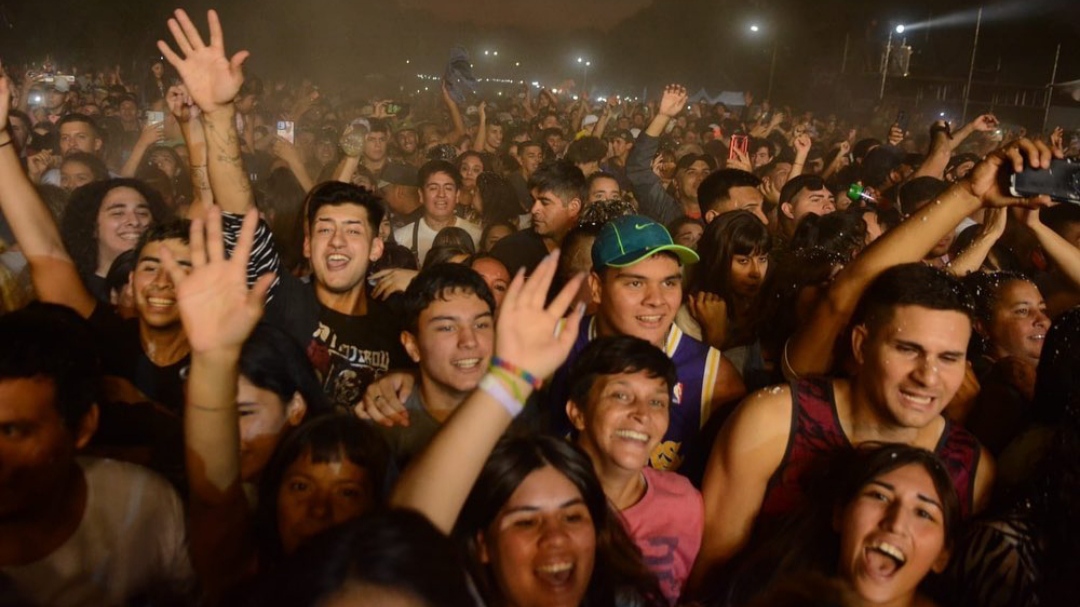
x,y
636,283
350,339
440,190
450,331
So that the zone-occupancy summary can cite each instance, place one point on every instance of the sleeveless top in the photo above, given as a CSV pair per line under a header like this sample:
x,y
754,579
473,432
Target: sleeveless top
x,y
816,434
696,366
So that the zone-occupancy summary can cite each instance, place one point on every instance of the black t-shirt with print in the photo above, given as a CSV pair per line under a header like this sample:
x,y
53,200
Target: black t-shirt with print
x,y
347,352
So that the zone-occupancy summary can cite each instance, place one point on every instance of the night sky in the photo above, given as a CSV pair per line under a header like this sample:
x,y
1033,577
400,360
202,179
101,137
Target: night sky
x,y
634,45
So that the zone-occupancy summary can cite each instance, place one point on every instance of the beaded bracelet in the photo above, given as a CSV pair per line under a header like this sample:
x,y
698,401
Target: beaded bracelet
x,y
517,371
498,391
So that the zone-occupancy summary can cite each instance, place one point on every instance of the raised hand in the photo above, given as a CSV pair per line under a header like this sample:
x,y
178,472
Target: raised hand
x,y
673,101
985,180
985,123
212,79
217,309
1057,140
802,144
741,161
526,333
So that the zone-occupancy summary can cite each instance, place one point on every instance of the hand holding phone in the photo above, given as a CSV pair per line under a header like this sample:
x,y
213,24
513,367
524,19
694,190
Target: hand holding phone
x,y
739,143
1061,182
286,129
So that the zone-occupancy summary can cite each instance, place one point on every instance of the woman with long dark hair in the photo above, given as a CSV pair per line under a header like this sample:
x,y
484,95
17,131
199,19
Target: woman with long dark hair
x,y
882,520
104,219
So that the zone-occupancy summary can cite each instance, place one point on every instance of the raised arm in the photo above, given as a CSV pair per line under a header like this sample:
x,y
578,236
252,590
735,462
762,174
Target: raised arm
x,y
218,312
654,201
288,153
971,259
481,131
1064,254
802,145
213,81
188,116
809,351
438,481
53,272
151,134
455,116
943,144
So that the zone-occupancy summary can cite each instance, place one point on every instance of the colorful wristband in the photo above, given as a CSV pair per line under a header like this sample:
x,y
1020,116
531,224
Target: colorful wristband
x,y
495,388
529,378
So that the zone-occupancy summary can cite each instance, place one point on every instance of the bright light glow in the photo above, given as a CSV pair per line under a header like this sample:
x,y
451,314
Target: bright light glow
x,y
517,64
755,28
942,114
496,53
900,29
579,59
588,63
487,52
575,97
406,61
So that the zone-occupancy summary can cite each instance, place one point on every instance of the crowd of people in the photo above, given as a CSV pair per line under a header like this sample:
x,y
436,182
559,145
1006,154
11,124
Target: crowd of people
x,y
261,344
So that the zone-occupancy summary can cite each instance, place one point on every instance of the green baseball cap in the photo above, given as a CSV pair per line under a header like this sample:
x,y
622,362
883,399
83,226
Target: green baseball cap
x,y
626,240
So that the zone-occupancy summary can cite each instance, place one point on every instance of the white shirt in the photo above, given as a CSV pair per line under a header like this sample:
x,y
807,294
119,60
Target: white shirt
x,y
131,541
425,235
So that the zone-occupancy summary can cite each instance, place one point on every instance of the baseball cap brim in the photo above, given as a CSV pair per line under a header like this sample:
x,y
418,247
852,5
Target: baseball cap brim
x,y
685,254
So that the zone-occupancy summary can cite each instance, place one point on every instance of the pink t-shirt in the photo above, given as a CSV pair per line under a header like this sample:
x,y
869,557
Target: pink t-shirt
x,y
667,524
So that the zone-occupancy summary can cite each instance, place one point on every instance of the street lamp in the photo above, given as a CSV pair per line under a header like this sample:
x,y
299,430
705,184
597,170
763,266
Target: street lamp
x,y
899,29
755,28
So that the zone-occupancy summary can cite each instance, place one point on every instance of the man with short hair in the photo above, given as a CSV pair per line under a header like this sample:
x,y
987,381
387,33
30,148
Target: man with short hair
x,y
729,190
530,155
558,193
77,133
801,196
408,144
654,200
636,283
449,330
440,190
75,530
555,140
350,338
622,142
586,154
397,182
621,393
909,343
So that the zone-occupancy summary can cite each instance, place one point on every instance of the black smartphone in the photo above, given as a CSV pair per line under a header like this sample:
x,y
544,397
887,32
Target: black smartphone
x,y
902,120
1061,182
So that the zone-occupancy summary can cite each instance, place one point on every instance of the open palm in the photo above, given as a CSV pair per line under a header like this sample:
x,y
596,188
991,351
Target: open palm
x,y
212,79
216,307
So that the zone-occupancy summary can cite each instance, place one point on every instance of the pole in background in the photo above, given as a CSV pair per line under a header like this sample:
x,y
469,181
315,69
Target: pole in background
x,y
971,70
1050,89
